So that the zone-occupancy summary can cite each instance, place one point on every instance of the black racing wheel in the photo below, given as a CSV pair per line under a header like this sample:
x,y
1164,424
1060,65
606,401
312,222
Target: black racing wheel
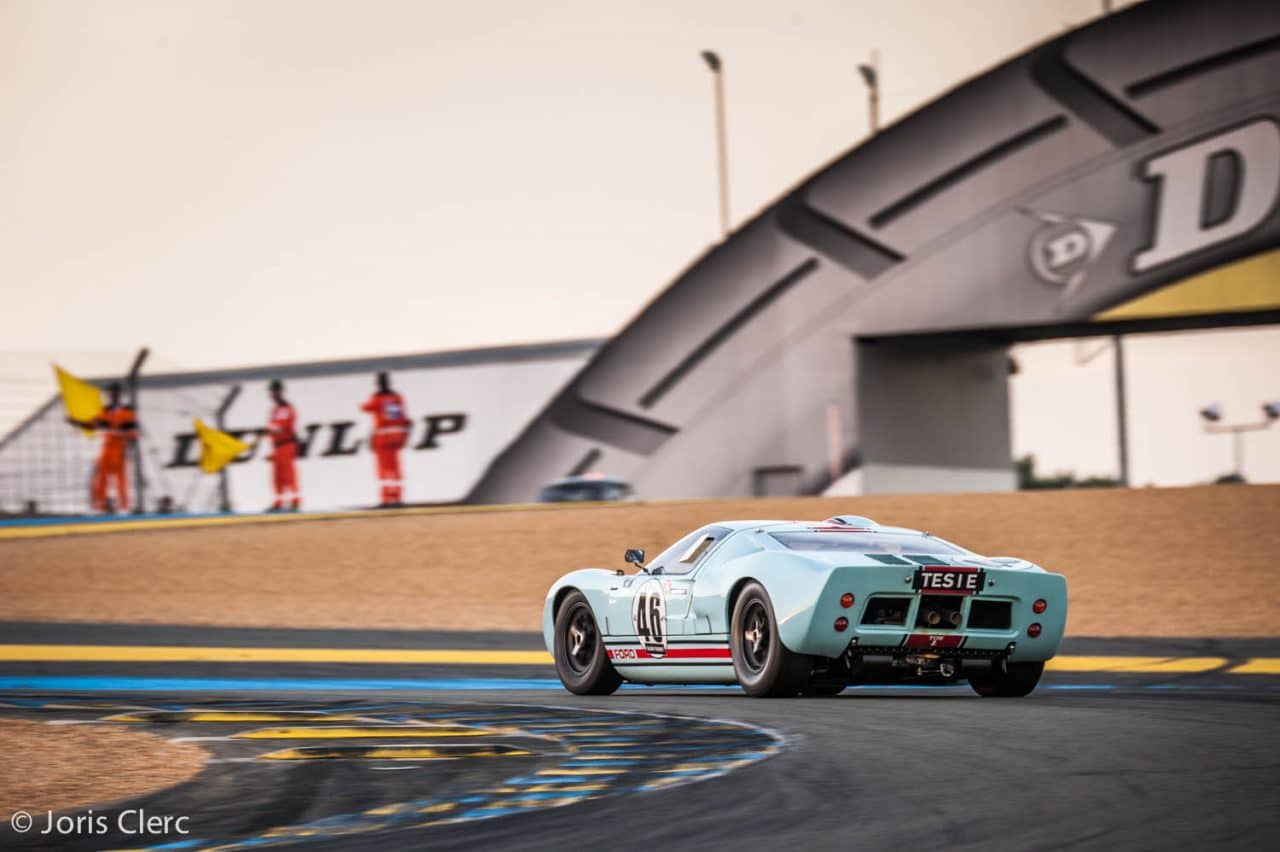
x,y
581,662
1007,680
764,666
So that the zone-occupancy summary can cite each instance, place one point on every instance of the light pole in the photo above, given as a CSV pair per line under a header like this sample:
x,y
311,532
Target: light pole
x,y
722,142
1122,410
871,76
1122,414
1212,416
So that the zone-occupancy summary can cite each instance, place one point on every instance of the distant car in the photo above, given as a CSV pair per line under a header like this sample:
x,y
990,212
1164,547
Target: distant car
x,y
586,488
791,608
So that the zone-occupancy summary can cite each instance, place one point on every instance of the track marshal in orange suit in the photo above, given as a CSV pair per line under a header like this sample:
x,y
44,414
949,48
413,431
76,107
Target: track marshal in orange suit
x,y
390,434
118,425
284,450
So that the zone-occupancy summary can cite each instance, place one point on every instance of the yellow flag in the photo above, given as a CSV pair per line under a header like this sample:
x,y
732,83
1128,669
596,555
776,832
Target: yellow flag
x,y
217,449
82,400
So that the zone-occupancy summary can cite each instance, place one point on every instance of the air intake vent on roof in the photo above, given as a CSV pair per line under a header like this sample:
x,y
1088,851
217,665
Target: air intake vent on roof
x,y
852,521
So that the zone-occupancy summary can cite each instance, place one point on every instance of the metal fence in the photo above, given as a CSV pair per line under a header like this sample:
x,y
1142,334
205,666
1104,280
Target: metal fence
x,y
47,468
51,470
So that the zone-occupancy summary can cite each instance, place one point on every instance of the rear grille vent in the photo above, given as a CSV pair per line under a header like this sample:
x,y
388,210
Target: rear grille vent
x,y
886,611
990,615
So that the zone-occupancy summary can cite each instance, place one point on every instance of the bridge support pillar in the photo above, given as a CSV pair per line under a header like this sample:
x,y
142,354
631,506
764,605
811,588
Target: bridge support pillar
x,y
932,416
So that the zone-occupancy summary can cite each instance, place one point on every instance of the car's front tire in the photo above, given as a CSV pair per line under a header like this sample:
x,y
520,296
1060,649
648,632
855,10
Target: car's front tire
x,y
1007,680
763,665
581,662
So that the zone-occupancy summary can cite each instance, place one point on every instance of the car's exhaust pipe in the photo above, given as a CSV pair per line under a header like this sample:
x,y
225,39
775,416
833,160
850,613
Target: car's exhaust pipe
x,y
933,617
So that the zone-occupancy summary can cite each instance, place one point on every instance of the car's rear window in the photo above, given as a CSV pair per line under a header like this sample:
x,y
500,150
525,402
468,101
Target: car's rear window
x,y
851,542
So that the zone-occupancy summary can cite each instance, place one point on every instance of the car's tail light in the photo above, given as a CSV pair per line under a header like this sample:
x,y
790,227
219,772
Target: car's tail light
x,y
846,600
1033,629
1039,606
842,624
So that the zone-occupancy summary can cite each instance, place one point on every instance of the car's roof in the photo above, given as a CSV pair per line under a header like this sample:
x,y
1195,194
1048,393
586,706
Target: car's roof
x,y
809,526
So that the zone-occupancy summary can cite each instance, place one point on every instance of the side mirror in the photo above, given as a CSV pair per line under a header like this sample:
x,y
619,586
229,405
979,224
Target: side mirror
x,y
636,557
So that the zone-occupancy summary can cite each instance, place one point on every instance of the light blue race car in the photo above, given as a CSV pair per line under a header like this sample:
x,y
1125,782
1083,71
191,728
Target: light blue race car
x,y
793,608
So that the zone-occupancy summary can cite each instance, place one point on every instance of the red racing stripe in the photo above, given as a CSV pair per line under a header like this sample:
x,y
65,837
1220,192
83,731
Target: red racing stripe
x,y
698,653
624,654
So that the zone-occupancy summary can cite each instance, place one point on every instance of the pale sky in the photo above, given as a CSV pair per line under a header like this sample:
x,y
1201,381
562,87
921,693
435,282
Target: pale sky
x,y
1064,411
239,182
245,182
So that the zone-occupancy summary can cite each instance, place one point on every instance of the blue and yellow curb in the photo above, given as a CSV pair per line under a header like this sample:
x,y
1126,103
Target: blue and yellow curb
x,y
25,653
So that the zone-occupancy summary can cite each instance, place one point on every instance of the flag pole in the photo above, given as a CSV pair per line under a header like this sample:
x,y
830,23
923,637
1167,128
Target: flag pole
x,y
139,481
219,417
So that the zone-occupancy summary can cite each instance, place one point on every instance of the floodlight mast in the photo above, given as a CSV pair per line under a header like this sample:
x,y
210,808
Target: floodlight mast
x,y
1212,416
722,142
871,76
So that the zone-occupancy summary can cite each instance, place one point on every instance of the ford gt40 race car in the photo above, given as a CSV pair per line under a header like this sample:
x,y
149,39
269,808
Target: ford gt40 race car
x,y
792,608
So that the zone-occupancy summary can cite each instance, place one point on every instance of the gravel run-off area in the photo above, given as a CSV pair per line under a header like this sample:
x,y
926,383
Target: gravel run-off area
x,y
1140,562
65,767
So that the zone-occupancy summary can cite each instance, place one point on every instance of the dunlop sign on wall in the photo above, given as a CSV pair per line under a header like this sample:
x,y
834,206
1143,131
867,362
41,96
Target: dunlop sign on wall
x,y
464,407
461,416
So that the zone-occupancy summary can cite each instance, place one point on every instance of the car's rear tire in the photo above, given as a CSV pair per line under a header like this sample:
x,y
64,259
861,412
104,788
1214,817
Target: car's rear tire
x,y
763,665
1007,680
581,662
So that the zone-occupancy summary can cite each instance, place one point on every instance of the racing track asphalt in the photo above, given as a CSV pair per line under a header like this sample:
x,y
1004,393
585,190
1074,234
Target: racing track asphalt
x,y
1087,769
1096,760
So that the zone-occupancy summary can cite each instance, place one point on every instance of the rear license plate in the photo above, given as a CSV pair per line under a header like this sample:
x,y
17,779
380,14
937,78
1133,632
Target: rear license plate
x,y
949,581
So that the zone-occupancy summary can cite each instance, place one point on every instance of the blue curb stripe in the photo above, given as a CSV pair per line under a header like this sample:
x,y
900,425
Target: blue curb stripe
x,y
96,683
86,683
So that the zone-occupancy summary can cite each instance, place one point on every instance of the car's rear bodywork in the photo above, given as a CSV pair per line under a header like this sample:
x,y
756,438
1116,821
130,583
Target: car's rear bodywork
x,y
867,603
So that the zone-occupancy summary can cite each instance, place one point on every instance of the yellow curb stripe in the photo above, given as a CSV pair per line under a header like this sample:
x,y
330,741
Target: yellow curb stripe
x,y
433,656
216,654
239,716
438,808
534,802
388,753
575,725
1258,665
547,788
17,531
710,766
1139,665
359,733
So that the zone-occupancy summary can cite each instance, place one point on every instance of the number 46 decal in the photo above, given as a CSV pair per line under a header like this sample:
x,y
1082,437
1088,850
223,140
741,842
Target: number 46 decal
x,y
649,615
